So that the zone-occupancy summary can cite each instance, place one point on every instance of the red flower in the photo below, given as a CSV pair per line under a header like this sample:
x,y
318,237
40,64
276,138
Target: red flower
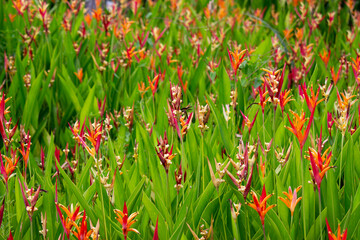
x,y
339,236
260,206
126,221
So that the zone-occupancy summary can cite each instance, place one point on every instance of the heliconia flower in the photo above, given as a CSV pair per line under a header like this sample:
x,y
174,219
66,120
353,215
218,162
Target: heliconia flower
x,y
71,215
153,84
129,116
2,211
10,165
325,90
356,68
176,99
142,89
101,106
42,158
81,232
330,122
179,176
202,114
97,14
157,34
242,169
311,101
142,39
279,154
247,121
288,34
164,152
78,134
79,74
236,58
226,112
262,96
297,127
344,101
126,221
20,6
331,18
319,162
291,199
44,230
205,233
260,204
335,76
26,153
156,234
267,146
332,236
30,197
273,81
284,98
216,181
172,118
10,236
350,36
185,125
180,73
235,209
325,56
80,138
94,134
261,167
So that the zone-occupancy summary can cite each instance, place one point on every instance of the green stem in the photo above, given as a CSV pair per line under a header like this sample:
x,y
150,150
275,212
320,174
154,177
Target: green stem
x,y
102,197
264,135
222,215
203,161
168,191
31,231
303,184
341,160
320,215
263,227
248,225
8,206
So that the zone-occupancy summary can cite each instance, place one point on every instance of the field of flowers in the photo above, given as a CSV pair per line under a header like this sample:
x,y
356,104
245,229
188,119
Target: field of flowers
x,y
179,119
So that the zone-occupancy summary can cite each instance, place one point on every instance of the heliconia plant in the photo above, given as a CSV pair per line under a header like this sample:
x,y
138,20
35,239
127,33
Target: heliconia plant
x,y
139,119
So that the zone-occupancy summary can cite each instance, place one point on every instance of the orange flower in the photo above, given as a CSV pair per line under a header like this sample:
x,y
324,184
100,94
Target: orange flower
x,y
142,89
297,126
312,101
260,206
126,221
247,121
10,165
81,232
262,96
97,14
299,33
288,33
79,74
344,102
26,153
325,56
335,76
126,24
154,84
319,163
12,17
88,19
292,199
284,99
339,236
236,58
